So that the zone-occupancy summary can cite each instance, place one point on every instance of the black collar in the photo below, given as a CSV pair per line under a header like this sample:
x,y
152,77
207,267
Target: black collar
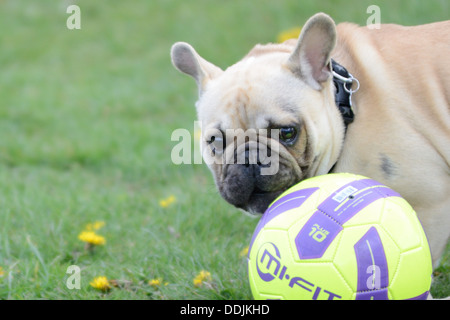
x,y
343,81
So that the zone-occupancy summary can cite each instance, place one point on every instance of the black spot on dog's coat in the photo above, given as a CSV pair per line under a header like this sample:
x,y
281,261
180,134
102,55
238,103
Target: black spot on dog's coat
x,y
387,166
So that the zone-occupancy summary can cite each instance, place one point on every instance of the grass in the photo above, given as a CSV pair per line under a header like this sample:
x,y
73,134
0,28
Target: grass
x,y
85,122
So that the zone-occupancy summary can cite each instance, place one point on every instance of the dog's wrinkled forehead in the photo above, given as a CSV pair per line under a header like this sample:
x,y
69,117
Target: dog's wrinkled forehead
x,y
252,94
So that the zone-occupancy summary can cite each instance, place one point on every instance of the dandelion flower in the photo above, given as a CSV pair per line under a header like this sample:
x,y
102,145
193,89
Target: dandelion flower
x,y
157,282
164,203
97,225
90,237
2,272
244,252
203,276
292,33
100,283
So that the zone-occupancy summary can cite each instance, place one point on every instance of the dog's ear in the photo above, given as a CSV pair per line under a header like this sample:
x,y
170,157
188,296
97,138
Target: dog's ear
x,y
310,59
187,60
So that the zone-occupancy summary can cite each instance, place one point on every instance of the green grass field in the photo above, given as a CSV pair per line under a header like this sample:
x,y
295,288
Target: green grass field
x,y
86,118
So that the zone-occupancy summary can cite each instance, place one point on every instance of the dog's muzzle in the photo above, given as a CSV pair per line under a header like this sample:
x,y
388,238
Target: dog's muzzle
x,y
252,179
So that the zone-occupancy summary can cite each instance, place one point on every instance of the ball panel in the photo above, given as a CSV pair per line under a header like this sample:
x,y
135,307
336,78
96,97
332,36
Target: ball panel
x,y
413,276
373,272
317,281
345,202
368,215
401,223
316,236
285,210
308,238
363,271
268,261
256,289
282,212
272,272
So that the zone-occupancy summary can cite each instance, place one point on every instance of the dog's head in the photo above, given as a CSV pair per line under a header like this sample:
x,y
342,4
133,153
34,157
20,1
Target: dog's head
x,y
270,120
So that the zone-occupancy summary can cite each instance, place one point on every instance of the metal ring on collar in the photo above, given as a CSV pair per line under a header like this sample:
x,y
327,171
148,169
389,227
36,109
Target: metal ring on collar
x,y
351,82
342,78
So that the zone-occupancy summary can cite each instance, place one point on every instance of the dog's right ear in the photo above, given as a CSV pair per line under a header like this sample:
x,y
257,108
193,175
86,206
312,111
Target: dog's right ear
x,y
188,61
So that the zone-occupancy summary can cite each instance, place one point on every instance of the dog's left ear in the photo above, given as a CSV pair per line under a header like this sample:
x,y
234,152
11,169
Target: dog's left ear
x,y
310,59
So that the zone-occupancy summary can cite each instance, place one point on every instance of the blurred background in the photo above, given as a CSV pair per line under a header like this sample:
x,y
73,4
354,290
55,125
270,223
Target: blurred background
x,y
86,118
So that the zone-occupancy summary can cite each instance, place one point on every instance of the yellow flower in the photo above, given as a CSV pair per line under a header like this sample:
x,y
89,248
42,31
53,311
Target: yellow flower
x,y
164,203
89,236
100,283
95,226
157,282
292,33
203,276
2,272
92,238
244,252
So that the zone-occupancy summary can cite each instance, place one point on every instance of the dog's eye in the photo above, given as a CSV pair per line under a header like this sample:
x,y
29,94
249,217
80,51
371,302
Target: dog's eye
x,y
216,144
288,135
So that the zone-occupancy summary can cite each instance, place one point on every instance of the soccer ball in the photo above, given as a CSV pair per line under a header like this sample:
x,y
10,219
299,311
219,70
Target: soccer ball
x,y
339,236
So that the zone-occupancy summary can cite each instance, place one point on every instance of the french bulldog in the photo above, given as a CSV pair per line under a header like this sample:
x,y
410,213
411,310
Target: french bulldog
x,y
400,135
